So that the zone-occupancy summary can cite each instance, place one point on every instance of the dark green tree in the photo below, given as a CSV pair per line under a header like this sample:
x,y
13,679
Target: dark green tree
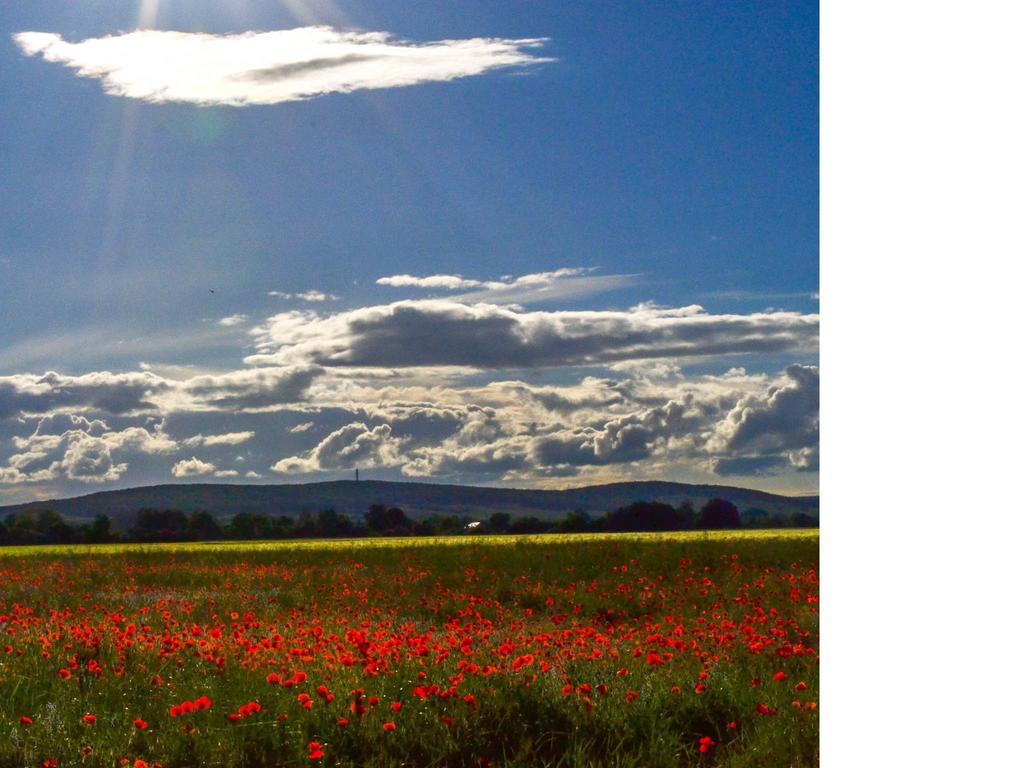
x,y
281,527
577,521
524,525
242,526
387,521
499,522
803,520
686,516
642,516
755,518
425,527
718,514
98,530
306,525
202,526
159,525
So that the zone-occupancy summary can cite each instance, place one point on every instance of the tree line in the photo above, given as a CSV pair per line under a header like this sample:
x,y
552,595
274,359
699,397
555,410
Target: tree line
x,y
168,525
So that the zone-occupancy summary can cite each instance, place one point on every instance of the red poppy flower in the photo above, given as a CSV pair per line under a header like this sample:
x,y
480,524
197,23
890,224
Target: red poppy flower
x,y
389,727
705,745
778,677
26,720
141,725
89,719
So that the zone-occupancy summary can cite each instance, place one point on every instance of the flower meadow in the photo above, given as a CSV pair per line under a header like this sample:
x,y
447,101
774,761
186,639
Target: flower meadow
x,y
617,650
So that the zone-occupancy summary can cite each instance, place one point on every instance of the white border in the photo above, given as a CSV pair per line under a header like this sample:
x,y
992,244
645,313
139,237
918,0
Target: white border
x,y
922,212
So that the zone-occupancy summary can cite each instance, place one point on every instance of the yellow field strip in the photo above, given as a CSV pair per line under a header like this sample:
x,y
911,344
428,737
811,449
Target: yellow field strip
x,y
396,542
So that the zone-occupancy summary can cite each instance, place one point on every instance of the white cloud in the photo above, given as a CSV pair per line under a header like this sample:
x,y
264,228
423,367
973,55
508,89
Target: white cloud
x,y
229,438
353,445
232,320
90,460
446,332
142,440
303,427
101,391
75,448
775,426
12,475
568,282
446,282
254,388
192,468
269,67
312,295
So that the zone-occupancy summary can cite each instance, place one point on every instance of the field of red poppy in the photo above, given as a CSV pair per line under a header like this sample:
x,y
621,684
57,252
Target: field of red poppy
x,y
632,650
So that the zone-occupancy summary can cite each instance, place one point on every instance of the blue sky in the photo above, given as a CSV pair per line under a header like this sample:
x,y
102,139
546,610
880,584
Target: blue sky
x,y
668,153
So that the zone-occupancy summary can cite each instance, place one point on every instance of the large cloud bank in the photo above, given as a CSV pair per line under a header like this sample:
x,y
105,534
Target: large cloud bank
x,y
440,388
634,423
443,332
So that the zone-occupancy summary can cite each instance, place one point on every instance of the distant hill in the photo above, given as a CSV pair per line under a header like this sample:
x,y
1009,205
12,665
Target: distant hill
x,y
353,497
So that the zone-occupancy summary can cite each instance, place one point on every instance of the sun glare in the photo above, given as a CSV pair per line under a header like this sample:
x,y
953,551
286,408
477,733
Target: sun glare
x,y
147,13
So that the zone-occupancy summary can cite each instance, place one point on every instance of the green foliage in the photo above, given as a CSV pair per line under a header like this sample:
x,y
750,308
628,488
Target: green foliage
x,y
167,525
718,514
387,521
